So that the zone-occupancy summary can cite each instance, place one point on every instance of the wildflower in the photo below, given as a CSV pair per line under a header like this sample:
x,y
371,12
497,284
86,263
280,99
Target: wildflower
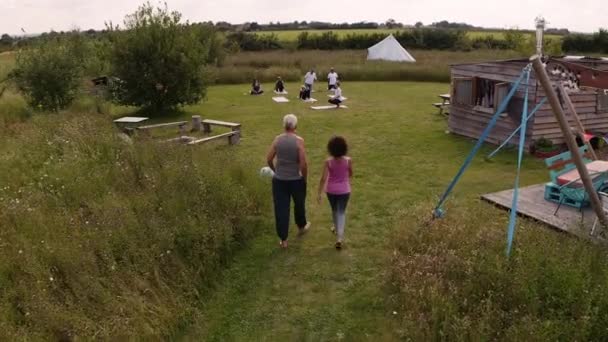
x,y
51,279
20,251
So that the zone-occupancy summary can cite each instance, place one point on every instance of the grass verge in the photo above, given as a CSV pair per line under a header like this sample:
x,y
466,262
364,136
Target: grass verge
x,y
452,280
102,237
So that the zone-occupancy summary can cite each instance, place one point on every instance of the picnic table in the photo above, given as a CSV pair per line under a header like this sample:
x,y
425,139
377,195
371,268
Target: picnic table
x,y
129,121
128,124
444,104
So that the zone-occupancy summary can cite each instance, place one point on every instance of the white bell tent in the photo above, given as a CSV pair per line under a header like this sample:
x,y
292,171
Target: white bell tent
x,y
389,50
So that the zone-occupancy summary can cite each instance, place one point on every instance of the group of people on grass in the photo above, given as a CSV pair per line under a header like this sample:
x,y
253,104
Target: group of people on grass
x,y
287,158
333,84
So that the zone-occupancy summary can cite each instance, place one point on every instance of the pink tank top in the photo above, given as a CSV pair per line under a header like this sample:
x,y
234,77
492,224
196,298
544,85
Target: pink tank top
x,y
338,181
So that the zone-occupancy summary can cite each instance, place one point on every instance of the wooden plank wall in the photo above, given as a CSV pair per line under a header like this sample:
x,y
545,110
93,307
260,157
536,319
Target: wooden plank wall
x,y
466,121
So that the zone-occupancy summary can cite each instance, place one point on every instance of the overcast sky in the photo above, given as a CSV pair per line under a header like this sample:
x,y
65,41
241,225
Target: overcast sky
x,y
36,16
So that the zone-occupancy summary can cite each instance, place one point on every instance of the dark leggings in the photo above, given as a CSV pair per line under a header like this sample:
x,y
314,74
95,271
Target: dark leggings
x,y
282,192
338,205
335,101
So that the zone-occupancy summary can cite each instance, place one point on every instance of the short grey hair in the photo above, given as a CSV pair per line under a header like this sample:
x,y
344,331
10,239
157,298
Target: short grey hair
x,y
290,121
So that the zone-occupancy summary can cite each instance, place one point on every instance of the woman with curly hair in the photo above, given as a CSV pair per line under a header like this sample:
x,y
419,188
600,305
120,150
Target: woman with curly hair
x,y
335,180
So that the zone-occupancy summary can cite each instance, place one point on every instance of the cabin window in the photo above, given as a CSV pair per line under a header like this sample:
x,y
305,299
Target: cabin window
x,y
489,94
463,91
602,100
501,90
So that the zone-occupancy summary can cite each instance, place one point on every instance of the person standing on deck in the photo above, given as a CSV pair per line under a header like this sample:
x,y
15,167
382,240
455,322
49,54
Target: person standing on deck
x,y
310,78
287,158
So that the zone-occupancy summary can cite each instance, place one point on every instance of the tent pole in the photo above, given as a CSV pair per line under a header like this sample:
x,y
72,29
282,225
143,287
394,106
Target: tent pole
x,y
577,120
541,75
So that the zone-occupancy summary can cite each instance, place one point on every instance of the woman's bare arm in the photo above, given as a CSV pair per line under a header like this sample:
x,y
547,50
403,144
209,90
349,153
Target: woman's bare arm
x,y
322,181
302,158
271,154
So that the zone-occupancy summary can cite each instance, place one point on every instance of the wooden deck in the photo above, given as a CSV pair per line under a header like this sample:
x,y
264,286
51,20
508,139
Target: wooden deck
x,y
532,204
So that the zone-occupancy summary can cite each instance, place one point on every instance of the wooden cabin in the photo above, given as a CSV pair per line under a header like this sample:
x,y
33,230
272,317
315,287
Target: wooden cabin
x,y
478,88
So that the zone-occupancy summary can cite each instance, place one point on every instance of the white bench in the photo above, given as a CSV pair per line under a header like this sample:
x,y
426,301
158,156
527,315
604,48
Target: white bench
x,y
207,123
180,124
234,137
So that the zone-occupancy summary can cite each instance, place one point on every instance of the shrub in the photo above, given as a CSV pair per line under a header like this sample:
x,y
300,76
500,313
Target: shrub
x,y
437,39
106,239
49,74
159,60
490,42
586,43
254,42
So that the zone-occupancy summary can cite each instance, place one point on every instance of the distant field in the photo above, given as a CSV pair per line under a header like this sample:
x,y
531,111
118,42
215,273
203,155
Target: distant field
x,y
292,36
242,67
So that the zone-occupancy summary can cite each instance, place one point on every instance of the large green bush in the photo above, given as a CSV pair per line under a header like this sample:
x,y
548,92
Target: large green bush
x,y
586,43
105,239
159,60
49,73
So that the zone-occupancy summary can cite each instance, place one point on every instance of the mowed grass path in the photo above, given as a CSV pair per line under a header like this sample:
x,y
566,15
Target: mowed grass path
x,y
402,157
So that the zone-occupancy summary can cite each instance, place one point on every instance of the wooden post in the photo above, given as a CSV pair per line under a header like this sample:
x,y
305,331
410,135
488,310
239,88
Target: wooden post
x,y
206,127
541,75
235,138
577,120
197,123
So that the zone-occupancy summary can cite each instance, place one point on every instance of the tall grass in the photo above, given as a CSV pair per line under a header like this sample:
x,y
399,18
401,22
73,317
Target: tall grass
x,y
352,65
102,237
452,281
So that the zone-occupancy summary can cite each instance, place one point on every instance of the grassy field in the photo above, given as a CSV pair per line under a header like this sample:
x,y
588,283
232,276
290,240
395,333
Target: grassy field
x,y
292,36
352,65
403,159
372,290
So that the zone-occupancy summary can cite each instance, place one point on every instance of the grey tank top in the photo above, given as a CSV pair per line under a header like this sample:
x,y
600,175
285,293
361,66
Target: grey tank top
x,y
288,158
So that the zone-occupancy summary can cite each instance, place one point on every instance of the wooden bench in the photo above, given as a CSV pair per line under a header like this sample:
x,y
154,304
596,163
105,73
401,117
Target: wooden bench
x,y
180,124
234,137
444,104
208,123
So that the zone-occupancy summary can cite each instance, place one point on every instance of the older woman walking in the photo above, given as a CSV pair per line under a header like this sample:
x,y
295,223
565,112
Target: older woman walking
x,y
287,158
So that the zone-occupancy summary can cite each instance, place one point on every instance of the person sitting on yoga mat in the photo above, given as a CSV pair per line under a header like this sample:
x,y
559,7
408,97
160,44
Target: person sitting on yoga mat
x,y
337,99
256,88
304,93
279,87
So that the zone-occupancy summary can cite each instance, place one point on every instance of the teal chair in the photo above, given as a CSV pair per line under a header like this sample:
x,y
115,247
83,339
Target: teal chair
x,y
578,194
568,194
